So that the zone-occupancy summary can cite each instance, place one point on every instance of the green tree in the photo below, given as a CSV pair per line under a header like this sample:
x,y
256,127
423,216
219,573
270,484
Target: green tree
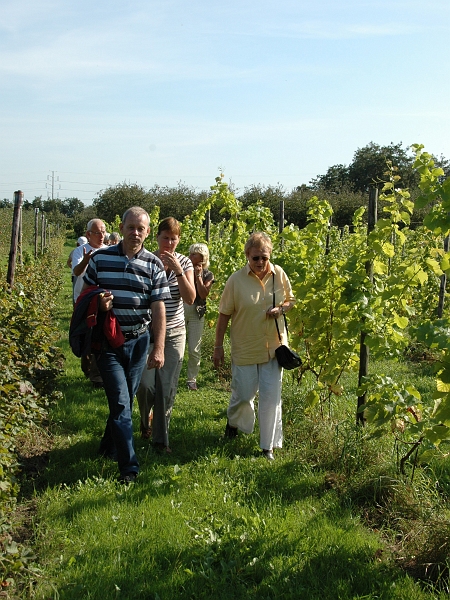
x,y
269,196
178,201
369,167
115,200
442,163
52,205
37,203
335,179
72,206
81,219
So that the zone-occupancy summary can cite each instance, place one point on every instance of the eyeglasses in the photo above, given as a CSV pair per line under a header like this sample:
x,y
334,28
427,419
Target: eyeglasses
x,y
257,258
97,232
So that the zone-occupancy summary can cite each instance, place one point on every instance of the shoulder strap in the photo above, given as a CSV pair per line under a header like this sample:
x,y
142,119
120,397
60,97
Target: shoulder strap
x,y
284,316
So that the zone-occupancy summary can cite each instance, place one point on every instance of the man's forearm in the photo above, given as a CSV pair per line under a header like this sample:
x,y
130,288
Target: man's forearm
x,y
159,324
79,269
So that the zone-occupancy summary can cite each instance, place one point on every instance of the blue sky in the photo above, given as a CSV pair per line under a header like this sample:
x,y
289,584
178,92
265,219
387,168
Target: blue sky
x,y
161,92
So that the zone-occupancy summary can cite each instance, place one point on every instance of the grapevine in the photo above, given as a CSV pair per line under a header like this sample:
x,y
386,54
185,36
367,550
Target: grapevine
x,y
336,301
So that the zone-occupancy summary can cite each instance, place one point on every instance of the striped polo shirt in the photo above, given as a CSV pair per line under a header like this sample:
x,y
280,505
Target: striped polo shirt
x,y
135,283
174,304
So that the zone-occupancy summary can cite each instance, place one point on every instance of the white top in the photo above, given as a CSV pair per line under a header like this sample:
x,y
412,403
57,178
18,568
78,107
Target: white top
x,y
77,257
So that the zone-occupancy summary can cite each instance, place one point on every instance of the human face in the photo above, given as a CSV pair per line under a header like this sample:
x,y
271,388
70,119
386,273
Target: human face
x,y
258,259
96,234
167,241
196,258
134,231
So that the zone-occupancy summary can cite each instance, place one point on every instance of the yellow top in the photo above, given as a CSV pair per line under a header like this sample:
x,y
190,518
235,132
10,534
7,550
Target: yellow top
x,y
246,298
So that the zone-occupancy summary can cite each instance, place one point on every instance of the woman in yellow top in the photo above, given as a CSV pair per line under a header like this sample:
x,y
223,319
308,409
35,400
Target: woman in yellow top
x,y
247,300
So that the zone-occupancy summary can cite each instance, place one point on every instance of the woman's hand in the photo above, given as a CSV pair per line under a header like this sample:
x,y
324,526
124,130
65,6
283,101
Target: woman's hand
x,y
170,261
203,288
274,312
218,357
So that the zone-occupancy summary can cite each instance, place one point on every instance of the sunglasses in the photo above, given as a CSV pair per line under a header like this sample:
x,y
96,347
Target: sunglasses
x,y
257,258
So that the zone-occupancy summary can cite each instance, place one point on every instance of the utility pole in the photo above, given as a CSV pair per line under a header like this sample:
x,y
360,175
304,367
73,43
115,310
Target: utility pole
x,y
52,178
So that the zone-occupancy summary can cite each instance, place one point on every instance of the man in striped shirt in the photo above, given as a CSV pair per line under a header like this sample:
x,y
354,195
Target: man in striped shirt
x,y
136,286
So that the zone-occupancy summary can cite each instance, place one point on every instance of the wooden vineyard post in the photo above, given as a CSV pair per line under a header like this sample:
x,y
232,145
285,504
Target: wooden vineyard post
x,y
42,232
363,348
36,231
443,285
20,246
207,225
281,223
18,201
327,242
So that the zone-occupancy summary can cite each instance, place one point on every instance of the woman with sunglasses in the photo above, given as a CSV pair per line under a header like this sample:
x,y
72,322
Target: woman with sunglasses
x,y
247,300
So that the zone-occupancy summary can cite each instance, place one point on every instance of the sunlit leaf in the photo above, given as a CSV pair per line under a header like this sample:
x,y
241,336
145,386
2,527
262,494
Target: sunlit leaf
x,y
401,322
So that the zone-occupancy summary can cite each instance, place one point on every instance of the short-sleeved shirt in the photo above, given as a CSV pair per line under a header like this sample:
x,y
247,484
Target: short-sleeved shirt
x,y
135,283
77,257
246,298
174,304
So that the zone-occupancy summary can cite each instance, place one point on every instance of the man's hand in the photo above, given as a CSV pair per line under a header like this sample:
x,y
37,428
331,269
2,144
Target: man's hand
x,y
155,359
106,301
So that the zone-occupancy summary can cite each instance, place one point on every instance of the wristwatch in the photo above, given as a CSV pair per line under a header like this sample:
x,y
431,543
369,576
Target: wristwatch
x,y
283,310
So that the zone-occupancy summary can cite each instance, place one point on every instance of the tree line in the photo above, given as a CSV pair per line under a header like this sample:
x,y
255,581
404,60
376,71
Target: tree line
x,y
344,186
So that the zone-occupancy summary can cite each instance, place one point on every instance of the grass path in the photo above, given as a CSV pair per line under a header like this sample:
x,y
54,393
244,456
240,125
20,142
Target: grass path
x,y
213,520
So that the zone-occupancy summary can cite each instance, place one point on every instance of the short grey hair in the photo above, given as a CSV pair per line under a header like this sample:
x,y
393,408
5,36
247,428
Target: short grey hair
x,y
259,240
114,237
201,249
91,223
136,211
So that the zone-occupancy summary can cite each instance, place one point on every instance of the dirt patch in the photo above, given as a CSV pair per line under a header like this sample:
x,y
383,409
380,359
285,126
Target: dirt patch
x,y
33,451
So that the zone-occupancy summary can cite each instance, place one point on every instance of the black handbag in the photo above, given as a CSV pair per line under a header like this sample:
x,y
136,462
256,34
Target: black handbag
x,y
287,358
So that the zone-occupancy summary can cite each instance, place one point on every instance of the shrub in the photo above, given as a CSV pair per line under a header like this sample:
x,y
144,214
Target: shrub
x,y
29,364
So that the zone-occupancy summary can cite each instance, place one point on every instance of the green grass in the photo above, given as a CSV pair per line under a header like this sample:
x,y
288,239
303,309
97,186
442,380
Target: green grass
x,y
213,519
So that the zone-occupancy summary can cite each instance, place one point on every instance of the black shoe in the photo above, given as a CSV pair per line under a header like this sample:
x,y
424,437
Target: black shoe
x,y
162,448
97,384
230,432
268,454
128,478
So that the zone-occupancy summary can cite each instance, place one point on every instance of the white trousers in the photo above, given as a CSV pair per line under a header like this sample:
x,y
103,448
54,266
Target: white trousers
x,y
194,327
246,382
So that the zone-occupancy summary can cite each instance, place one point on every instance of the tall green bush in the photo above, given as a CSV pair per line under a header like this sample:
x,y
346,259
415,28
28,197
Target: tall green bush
x,y
29,364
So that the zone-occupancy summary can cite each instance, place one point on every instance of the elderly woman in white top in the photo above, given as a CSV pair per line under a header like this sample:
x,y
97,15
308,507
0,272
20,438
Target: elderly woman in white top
x,y
158,387
194,314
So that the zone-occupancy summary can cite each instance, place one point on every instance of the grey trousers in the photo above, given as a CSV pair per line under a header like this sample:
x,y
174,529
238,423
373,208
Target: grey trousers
x,y
158,387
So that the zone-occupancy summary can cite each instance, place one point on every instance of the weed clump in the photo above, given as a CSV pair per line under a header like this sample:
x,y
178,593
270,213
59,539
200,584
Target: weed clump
x,y
410,513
